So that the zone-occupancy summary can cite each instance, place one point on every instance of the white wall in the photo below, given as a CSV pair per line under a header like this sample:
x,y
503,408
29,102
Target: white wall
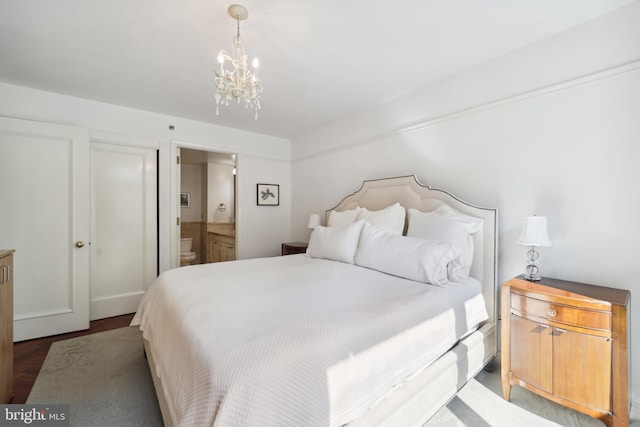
x,y
552,129
191,182
220,183
265,228
267,159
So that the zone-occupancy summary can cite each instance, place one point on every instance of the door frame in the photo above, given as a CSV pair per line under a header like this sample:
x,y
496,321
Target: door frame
x,y
173,236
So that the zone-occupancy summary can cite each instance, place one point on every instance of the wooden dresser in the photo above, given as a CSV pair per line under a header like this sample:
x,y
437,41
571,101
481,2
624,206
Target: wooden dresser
x,y
6,325
568,342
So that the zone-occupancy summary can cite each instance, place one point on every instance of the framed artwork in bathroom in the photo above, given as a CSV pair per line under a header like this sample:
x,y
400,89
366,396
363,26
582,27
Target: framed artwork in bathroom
x,y
185,200
268,195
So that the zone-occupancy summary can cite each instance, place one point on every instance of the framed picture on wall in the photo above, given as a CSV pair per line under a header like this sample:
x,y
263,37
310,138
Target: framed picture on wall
x,y
185,200
268,195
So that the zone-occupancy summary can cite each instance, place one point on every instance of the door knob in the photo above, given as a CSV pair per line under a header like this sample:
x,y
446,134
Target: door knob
x,y
79,243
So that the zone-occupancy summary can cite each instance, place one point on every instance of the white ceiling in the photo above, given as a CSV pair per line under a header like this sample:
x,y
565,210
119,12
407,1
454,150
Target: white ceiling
x,y
319,59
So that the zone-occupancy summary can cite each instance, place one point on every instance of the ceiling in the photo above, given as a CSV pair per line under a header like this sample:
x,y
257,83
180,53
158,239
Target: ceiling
x,y
320,60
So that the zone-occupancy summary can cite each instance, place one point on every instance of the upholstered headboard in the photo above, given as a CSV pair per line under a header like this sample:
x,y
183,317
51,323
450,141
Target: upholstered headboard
x,y
406,190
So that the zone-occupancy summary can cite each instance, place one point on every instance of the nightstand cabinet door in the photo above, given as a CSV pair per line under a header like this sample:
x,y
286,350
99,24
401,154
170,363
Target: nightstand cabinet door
x,y
582,368
531,347
568,342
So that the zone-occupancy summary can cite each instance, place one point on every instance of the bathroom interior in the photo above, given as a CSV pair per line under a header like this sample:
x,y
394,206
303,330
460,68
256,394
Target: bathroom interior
x,y
207,207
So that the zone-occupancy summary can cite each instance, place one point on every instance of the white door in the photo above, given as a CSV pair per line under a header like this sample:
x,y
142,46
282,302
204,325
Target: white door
x,y
44,216
124,245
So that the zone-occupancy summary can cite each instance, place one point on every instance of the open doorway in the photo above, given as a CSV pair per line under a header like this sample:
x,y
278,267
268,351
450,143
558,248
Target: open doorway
x,y
207,207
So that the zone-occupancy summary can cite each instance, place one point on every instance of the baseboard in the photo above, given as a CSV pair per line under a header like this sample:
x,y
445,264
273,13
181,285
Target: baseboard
x,y
634,412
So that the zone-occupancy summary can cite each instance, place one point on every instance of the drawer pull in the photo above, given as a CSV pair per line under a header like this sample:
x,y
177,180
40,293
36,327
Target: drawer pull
x,y
552,313
6,274
541,327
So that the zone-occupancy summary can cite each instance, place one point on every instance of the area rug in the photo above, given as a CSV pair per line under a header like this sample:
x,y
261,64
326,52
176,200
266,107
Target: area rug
x,y
105,379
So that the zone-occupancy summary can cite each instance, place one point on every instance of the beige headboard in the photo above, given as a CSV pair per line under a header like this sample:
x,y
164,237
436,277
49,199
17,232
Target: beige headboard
x,y
379,193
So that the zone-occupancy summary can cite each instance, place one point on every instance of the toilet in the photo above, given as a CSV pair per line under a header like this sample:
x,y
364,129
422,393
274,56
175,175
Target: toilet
x,y
186,255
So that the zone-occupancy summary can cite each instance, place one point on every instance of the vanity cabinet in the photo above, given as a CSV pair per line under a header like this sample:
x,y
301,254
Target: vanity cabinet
x,y
6,325
221,242
221,248
568,342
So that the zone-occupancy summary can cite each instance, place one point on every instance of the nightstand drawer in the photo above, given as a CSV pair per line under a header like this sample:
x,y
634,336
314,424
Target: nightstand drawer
x,y
570,316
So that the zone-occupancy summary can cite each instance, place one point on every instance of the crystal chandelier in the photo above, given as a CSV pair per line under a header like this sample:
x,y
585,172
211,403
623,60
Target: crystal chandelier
x,y
234,79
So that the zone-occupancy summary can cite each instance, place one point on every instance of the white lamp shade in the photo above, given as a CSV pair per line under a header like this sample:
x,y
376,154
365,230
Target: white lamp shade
x,y
315,220
534,232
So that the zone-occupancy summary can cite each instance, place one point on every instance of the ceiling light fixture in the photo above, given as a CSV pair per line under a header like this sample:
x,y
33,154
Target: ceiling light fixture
x,y
237,81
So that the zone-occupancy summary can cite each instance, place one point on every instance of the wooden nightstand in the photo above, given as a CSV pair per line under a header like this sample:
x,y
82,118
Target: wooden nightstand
x,y
294,248
568,342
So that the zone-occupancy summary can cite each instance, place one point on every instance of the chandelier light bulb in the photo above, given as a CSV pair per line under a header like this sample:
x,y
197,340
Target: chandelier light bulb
x,y
255,63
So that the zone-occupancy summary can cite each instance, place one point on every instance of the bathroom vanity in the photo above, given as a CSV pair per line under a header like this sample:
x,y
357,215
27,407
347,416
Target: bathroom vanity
x,y
221,241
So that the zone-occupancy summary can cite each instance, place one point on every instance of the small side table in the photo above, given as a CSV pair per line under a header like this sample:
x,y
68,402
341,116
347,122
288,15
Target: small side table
x,y
292,248
568,342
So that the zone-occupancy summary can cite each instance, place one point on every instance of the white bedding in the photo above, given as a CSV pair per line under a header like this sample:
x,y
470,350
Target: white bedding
x,y
294,340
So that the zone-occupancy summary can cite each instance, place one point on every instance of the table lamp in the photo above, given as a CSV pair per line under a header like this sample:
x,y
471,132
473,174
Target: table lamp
x,y
315,220
533,234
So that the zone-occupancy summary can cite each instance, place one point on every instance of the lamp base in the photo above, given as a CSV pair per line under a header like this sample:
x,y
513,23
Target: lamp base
x,y
532,265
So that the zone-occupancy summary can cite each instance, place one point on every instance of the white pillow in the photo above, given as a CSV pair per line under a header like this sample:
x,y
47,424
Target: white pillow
x,y
336,243
390,218
342,218
409,257
448,225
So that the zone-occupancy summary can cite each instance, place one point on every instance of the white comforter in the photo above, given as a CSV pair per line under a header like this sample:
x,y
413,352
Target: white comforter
x,y
294,340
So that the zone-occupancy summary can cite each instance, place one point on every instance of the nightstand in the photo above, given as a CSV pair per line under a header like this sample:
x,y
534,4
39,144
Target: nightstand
x,y
568,342
294,248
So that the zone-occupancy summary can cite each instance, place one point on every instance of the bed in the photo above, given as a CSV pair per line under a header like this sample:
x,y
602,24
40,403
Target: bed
x,y
351,333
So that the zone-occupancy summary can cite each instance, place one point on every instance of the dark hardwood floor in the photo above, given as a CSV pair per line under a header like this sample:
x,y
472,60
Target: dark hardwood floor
x,y
29,355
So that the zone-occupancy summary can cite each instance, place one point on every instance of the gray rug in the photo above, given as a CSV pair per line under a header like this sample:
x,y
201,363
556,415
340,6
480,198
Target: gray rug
x,y
106,380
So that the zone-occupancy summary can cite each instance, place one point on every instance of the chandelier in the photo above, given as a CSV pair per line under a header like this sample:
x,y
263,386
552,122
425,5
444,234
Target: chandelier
x,y
234,79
